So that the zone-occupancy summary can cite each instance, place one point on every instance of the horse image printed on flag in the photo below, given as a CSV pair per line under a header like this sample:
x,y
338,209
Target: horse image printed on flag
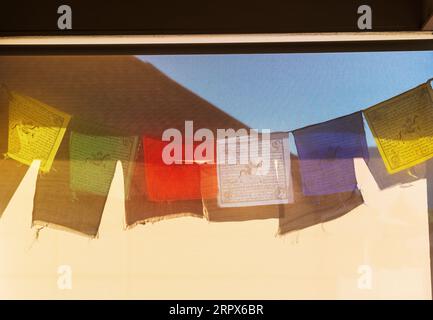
x,y
35,131
403,128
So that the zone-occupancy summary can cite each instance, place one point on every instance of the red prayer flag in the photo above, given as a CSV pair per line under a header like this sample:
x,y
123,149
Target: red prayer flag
x,y
170,182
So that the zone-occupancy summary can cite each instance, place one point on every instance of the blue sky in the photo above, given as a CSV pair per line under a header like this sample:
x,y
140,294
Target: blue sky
x,y
282,92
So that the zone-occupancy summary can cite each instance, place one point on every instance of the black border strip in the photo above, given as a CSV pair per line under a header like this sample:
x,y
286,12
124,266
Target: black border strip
x,y
223,48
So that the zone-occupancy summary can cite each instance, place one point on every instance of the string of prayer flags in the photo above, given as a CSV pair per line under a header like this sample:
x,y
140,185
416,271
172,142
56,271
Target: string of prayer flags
x,y
35,131
403,128
326,153
307,211
254,178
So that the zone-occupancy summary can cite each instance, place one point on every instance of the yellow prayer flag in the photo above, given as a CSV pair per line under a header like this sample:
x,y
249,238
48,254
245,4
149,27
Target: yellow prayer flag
x,y
35,131
403,128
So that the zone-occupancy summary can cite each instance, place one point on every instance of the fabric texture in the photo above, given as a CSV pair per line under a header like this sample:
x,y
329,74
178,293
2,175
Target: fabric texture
x,y
140,209
326,152
304,212
169,182
63,199
307,211
213,212
402,128
258,191
93,161
35,131
258,173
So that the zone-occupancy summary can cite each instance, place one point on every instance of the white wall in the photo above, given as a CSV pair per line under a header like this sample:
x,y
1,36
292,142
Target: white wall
x,y
192,258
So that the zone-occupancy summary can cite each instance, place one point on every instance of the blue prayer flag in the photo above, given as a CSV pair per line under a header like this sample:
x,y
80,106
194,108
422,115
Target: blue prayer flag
x,y
326,153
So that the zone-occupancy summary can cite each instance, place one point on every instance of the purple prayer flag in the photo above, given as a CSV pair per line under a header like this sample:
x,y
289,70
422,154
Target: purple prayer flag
x,y
326,153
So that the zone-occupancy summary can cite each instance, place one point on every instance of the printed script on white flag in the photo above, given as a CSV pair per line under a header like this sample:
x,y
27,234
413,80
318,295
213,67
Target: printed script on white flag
x,y
249,182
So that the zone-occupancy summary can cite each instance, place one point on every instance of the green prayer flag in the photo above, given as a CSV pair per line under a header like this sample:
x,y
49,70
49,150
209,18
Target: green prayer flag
x,y
93,161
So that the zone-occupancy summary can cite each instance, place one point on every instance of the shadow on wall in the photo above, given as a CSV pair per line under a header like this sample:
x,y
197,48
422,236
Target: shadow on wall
x,y
385,180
